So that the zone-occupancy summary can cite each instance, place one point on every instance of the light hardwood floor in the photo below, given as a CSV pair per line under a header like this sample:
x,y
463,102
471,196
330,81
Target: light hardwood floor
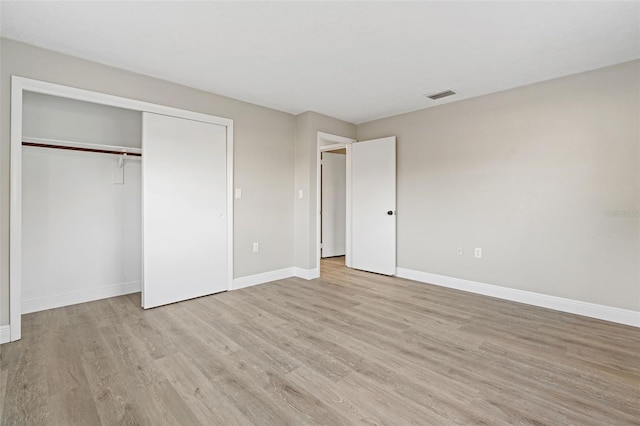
x,y
348,348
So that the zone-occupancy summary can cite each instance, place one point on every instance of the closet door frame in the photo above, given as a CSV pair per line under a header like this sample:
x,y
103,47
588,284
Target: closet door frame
x,y
21,84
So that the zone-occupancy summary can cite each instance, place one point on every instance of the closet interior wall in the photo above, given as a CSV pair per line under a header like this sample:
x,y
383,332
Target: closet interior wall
x,y
82,219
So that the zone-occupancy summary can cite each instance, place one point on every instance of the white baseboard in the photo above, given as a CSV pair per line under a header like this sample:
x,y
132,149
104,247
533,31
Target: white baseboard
x,y
279,274
5,334
607,313
307,274
29,306
262,278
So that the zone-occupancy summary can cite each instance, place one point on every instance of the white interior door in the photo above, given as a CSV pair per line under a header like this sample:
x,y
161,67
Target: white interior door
x,y
184,208
334,199
373,205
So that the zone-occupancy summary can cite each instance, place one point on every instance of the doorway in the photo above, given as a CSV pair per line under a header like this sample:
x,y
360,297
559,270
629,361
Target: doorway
x,y
338,151
370,203
333,203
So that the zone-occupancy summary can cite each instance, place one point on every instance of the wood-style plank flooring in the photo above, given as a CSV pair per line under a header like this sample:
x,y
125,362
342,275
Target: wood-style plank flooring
x,y
348,348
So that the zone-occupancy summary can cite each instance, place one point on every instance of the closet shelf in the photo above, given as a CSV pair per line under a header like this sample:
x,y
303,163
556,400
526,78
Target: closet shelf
x,y
80,146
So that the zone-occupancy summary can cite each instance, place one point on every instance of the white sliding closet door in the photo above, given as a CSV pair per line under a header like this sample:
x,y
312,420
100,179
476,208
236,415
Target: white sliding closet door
x,y
184,209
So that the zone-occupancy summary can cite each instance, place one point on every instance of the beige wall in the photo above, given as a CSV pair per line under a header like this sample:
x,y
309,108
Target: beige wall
x,y
528,175
263,152
308,125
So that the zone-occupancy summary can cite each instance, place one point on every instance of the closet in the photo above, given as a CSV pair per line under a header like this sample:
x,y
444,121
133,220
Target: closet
x,y
117,200
81,208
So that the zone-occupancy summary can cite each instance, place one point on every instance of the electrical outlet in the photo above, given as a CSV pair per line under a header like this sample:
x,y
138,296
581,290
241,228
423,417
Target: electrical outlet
x,y
459,251
256,247
478,252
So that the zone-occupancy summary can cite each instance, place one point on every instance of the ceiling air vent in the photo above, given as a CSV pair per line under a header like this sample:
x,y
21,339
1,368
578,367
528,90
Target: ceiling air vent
x,y
440,95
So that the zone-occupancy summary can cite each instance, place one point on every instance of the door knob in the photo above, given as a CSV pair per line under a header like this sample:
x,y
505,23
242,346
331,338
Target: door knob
x,y
390,212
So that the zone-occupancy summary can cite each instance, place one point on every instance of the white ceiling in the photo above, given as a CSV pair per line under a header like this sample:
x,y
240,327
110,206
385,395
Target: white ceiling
x,y
356,61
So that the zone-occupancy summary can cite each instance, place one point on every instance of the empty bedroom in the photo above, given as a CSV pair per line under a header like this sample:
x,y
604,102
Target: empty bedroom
x,y
324,212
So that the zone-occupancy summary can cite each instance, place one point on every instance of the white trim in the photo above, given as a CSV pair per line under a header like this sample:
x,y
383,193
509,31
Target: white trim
x,y
230,206
347,229
280,274
307,274
265,277
333,147
15,211
607,313
5,334
340,142
20,84
29,306
111,100
335,138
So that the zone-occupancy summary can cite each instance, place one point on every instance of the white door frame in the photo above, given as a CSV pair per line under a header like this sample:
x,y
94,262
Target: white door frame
x,y
329,142
20,85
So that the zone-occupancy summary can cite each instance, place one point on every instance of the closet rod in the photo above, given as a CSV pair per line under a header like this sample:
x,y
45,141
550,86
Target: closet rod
x,y
75,148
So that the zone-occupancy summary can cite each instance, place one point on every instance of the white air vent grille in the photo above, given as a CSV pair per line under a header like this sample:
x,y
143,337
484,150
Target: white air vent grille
x,y
440,95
